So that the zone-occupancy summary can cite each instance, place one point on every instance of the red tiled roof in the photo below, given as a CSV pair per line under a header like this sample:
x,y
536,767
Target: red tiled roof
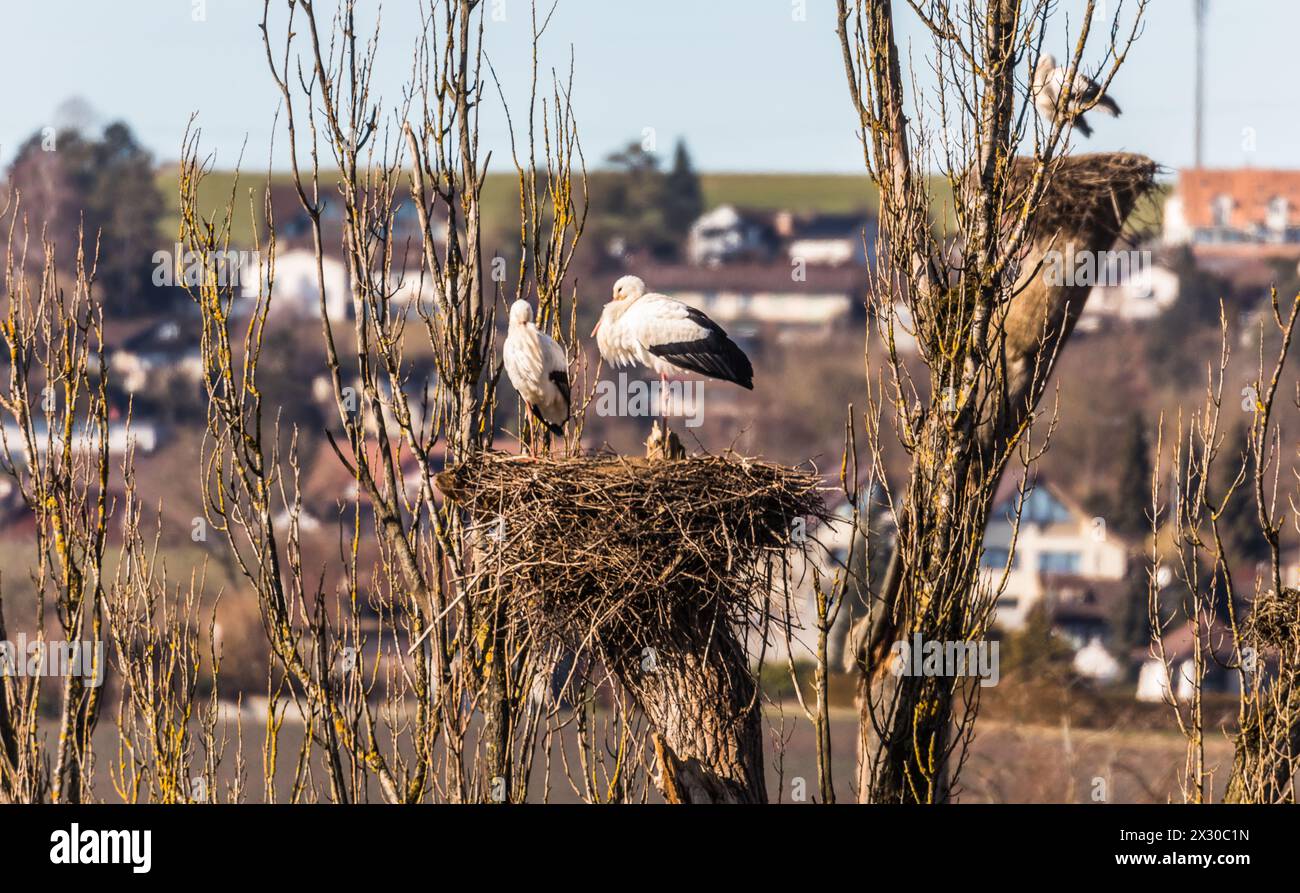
x,y
1251,190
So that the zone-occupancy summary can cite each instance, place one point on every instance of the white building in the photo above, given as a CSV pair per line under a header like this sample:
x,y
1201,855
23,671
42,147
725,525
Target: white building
x,y
832,546
414,294
833,240
770,307
140,436
1093,661
1174,678
1055,539
769,300
297,286
1141,295
156,355
726,235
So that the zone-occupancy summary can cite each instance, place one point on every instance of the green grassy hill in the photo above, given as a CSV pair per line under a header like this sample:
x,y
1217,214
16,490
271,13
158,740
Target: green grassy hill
x,y
800,193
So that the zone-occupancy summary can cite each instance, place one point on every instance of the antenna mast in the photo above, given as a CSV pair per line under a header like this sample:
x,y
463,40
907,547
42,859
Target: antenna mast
x,y
1201,8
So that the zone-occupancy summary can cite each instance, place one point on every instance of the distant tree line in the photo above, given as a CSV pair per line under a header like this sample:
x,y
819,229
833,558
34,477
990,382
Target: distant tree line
x,y
639,209
104,185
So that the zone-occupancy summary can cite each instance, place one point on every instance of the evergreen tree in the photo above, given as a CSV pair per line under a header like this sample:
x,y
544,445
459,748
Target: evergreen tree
x,y
637,208
683,195
1127,514
1034,651
1130,625
1179,338
1243,543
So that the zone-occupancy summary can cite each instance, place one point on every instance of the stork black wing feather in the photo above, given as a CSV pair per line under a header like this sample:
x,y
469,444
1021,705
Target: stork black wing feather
x,y
561,381
1104,102
557,430
714,355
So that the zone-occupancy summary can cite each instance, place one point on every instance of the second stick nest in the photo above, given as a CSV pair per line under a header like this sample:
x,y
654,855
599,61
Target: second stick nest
x,y
612,551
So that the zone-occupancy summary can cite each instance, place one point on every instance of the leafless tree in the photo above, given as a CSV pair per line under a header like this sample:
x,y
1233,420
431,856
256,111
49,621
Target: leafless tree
x,y
988,320
423,154
54,447
1237,625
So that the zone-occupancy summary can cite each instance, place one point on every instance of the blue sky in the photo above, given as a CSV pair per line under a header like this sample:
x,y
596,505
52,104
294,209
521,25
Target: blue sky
x,y
747,86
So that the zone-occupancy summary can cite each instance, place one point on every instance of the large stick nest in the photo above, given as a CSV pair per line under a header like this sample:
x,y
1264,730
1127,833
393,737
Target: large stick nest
x,y
621,553
1089,196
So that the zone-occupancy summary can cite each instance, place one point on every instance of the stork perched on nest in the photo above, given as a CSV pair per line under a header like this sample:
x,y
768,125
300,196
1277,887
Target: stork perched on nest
x,y
1049,81
667,336
538,368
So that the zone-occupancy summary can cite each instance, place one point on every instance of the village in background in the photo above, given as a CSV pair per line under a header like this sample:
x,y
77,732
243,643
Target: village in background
x,y
782,261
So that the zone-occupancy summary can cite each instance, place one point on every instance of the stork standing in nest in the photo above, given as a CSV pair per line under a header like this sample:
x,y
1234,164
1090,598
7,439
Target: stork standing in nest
x,y
538,367
1049,82
667,336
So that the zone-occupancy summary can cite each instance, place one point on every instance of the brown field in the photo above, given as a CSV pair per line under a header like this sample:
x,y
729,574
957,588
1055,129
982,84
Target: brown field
x,y
1008,762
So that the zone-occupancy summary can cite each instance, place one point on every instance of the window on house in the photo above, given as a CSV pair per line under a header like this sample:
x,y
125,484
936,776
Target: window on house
x,y
1041,507
1009,602
996,557
1059,562
1279,209
1222,210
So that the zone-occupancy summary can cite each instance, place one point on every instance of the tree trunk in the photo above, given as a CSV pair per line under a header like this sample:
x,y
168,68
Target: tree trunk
x,y
702,702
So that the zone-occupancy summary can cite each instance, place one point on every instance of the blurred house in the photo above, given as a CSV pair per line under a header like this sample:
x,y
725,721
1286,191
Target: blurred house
x,y
293,228
1158,681
414,294
1238,222
141,436
1242,206
298,281
1291,567
1094,661
834,548
1058,548
766,300
903,325
1082,607
1130,295
730,235
827,554
297,291
11,500
167,348
832,240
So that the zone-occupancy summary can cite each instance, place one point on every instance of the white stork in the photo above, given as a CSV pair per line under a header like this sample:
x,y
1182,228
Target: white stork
x,y
1049,80
667,336
538,368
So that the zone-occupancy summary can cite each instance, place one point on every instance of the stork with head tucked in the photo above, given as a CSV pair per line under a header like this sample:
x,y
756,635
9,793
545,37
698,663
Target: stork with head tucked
x,y
1049,81
538,368
667,336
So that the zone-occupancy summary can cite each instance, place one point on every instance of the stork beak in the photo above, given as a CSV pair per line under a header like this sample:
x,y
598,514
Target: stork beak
x,y
595,330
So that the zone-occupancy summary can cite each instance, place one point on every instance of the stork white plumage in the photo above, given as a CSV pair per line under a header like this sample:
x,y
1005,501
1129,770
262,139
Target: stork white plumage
x,y
667,336
538,368
1049,81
